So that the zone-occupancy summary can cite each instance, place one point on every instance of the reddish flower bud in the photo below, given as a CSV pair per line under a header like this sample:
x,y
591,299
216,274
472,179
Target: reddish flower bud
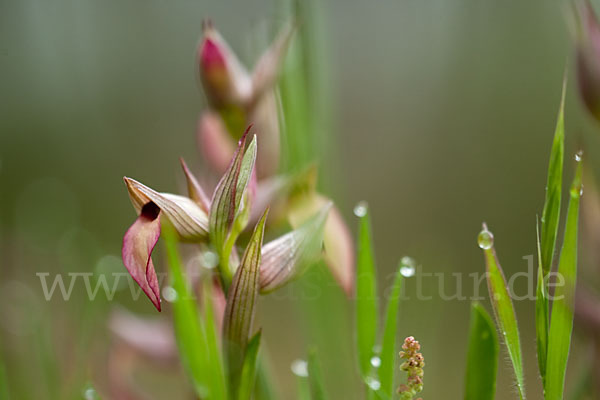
x,y
588,56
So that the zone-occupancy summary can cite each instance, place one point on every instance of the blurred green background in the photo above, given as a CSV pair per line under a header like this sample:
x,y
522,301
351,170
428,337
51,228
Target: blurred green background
x,y
442,116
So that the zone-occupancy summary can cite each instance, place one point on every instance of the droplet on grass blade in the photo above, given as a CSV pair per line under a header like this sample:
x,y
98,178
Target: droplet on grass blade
x,y
407,266
299,368
373,383
360,210
375,361
485,239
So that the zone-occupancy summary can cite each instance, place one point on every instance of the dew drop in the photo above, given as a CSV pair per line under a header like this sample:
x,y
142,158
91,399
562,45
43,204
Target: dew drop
x,y
360,210
407,266
485,239
373,383
578,155
375,361
299,368
90,393
210,259
169,294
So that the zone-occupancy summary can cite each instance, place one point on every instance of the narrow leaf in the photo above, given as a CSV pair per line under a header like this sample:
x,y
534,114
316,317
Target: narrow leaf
x,y
241,303
315,377
482,356
189,333
248,378
541,313
561,320
551,213
503,306
366,296
213,348
388,347
286,257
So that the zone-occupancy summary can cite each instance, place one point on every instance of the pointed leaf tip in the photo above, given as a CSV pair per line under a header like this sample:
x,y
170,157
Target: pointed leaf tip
x,y
195,191
227,200
504,311
241,302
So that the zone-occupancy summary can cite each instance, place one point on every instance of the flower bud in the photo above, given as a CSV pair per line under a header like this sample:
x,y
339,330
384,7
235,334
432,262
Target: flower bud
x,y
224,78
588,56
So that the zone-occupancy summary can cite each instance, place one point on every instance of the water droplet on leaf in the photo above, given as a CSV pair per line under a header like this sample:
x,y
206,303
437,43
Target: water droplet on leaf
x,y
360,210
299,368
407,266
485,239
375,361
373,383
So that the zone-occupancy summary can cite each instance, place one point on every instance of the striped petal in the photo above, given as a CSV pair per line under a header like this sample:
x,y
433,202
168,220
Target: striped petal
x,y
189,220
241,302
339,247
286,257
227,200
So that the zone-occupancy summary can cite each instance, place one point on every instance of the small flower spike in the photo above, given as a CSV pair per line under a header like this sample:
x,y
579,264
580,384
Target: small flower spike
x,y
413,366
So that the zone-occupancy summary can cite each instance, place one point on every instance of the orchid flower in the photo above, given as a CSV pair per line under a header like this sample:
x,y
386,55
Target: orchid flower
x,y
217,223
237,98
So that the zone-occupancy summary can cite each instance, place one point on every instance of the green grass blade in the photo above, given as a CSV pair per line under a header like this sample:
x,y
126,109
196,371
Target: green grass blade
x,y
561,319
265,387
482,356
213,345
551,213
366,296
388,346
189,333
248,378
315,377
303,389
503,307
541,314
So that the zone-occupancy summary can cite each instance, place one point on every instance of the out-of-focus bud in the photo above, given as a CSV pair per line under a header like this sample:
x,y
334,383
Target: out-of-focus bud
x,y
150,338
587,37
266,71
239,99
339,248
224,78
265,118
215,143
